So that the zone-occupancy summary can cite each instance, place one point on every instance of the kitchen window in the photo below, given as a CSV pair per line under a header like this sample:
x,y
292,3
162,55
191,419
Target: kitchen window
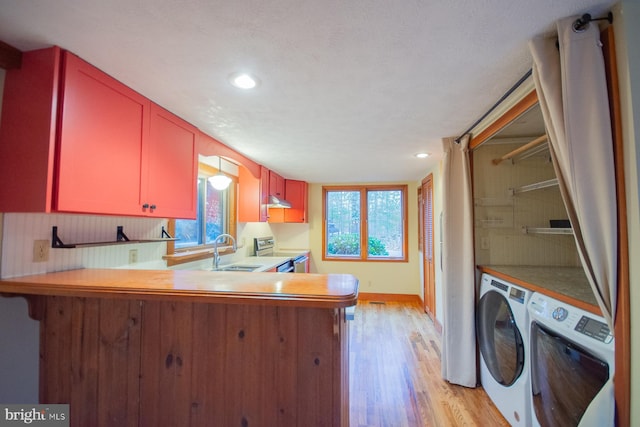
x,y
211,220
365,223
216,214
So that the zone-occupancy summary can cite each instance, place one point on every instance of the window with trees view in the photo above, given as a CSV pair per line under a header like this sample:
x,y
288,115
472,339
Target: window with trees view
x,y
365,223
216,214
211,221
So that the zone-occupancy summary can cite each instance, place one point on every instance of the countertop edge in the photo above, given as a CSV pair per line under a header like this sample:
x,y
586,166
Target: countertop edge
x,y
39,285
533,287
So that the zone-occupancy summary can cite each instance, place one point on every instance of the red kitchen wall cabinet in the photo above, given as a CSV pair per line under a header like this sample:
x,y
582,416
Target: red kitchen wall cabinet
x,y
100,141
296,193
276,185
74,139
171,168
264,194
27,133
253,196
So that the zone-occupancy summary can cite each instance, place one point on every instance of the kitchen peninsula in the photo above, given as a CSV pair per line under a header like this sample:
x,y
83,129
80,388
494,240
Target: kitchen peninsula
x,y
192,348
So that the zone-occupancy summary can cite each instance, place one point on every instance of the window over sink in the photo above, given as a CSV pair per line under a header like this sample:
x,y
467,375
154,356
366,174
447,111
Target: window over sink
x,y
216,215
212,217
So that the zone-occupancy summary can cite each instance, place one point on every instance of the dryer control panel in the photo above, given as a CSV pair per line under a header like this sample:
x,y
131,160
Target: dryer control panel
x,y
593,328
572,321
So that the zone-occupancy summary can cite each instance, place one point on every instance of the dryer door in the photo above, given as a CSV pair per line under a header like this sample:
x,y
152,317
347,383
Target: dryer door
x,y
500,340
565,377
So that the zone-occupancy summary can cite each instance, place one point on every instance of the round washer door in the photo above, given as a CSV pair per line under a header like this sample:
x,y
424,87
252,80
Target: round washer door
x,y
500,340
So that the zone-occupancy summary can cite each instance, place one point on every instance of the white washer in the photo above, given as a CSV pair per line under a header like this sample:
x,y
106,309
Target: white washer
x,y
502,324
572,365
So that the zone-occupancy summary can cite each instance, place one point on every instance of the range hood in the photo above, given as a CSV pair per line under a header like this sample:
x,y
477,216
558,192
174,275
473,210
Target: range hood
x,y
275,202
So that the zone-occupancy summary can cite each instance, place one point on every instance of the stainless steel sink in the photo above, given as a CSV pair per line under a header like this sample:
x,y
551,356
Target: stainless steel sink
x,y
238,267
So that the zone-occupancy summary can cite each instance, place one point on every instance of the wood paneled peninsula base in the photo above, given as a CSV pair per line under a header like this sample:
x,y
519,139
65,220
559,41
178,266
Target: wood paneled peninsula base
x,y
192,348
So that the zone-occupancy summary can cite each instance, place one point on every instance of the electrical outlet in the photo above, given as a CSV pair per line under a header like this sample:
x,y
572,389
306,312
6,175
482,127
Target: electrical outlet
x,y
40,250
133,256
484,243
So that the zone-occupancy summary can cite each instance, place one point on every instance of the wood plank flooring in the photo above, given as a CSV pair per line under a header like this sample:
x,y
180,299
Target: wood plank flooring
x,y
395,377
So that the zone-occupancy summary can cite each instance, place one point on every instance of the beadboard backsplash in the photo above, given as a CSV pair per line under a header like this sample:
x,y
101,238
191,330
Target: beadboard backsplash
x,y
20,230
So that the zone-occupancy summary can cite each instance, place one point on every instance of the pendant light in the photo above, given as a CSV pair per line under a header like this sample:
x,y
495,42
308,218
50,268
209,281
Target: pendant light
x,y
220,181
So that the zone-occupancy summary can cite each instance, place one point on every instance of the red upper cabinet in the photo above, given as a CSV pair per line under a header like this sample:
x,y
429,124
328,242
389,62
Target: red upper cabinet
x,y
171,167
101,134
27,132
76,140
265,176
296,193
253,196
276,185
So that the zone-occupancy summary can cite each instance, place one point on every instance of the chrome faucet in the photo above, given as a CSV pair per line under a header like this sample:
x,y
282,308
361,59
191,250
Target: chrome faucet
x,y
216,255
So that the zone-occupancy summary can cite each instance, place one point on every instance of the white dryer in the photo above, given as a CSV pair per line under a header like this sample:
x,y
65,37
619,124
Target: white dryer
x,y
572,365
502,329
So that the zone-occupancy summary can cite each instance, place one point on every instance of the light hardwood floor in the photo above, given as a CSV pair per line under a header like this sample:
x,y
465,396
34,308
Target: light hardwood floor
x,y
395,375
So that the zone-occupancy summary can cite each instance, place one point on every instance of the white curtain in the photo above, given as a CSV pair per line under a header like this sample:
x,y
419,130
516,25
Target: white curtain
x,y
571,84
458,271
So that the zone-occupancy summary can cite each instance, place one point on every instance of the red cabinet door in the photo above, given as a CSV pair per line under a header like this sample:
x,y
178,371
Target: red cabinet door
x,y
296,194
100,140
276,188
171,168
264,194
276,185
253,195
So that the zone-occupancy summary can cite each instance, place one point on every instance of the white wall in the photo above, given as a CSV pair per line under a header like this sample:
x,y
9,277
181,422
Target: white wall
x,y
627,35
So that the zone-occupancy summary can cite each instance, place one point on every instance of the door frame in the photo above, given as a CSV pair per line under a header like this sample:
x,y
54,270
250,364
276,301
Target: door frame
x,y
428,246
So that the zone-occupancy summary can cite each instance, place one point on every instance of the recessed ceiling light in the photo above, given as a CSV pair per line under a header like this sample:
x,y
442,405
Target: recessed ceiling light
x,y
422,155
243,80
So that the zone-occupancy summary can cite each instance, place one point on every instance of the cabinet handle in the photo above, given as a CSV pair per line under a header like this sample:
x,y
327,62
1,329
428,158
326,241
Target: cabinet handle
x,y
153,207
145,206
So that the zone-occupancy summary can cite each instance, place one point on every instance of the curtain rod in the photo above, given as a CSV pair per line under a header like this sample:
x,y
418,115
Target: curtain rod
x,y
584,20
509,92
578,25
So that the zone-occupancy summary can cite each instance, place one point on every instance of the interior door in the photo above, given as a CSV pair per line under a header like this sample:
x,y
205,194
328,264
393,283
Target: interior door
x,y
426,215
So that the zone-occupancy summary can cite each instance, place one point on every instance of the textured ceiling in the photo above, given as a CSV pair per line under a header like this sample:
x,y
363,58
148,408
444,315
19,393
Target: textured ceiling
x,y
349,90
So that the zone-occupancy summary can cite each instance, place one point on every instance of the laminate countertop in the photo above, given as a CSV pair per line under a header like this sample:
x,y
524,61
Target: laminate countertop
x,y
568,284
285,289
